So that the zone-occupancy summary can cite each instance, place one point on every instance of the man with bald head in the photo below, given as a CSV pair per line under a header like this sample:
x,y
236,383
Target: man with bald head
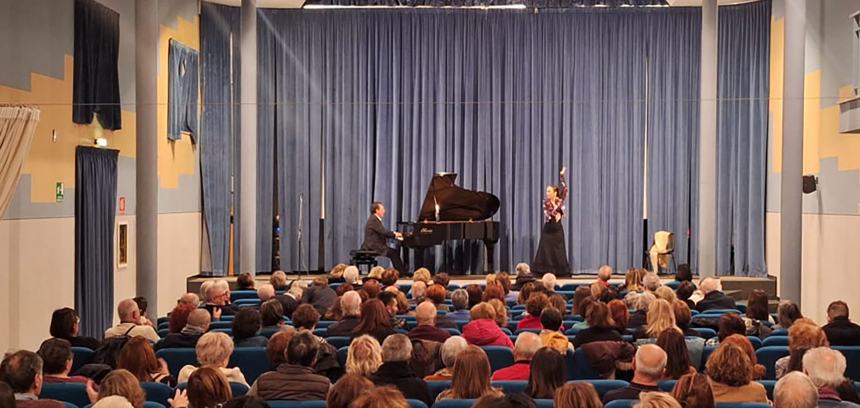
x,y
649,368
525,348
350,305
603,275
196,325
189,299
795,390
425,315
265,292
129,323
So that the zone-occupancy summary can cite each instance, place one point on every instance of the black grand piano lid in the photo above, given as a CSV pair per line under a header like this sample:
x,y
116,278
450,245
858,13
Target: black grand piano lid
x,y
456,203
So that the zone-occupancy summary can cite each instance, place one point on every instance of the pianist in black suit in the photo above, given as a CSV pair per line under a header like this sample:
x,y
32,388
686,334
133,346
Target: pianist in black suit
x,y
376,237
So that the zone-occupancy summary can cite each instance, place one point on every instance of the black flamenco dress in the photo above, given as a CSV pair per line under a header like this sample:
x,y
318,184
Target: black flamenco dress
x,y
551,256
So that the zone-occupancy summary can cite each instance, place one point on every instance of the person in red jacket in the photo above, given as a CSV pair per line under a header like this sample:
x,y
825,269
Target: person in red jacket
x,y
483,330
527,345
534,306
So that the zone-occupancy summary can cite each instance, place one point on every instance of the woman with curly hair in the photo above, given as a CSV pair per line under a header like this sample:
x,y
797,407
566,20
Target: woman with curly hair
x,y
364,356
731,373
803,335
744,343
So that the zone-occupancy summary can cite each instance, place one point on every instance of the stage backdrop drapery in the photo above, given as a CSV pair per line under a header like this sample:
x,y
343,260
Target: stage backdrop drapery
x,y
219,127
384,98
742,124
95,211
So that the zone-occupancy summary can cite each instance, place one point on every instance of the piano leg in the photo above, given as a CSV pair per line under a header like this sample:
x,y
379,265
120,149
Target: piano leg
x,y
490,256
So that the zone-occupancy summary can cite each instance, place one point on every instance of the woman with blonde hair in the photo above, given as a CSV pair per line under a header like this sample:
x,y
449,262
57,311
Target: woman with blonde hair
x,y
661,317
364,356
633,281
501,312
120,383
422,275
656,399
214,349
666,293
577,395
471,376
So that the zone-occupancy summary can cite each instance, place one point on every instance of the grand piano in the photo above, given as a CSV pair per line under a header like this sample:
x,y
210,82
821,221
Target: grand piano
x,y
450,212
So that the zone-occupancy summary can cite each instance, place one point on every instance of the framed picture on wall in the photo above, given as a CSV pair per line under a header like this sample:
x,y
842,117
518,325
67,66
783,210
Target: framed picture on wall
x,y
122,244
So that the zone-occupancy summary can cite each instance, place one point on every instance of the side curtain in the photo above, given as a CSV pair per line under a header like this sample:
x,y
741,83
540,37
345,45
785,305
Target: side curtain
x,y
95,88
742,125
673,129
218,127
17,126
95,210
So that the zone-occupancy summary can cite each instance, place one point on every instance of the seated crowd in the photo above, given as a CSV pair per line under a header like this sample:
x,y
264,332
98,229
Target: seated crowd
x,y
400,342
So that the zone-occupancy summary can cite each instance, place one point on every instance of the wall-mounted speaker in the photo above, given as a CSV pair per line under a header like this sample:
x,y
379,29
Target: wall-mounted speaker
x,y
810,183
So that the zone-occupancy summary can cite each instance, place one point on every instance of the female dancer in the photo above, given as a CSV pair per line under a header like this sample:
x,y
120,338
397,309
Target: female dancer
x,y
551,256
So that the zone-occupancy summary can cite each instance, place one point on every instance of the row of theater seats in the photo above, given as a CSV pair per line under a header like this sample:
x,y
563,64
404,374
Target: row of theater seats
x,y
252,360
157,394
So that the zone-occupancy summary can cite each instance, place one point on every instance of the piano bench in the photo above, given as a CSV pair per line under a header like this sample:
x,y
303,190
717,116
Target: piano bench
x,y
364,260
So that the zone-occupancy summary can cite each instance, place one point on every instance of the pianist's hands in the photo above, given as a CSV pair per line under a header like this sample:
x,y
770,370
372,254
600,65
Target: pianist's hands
x,y
398,236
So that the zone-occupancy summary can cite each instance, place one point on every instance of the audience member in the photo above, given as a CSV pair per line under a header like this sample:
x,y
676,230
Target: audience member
x,y
56,355
208,387
395,369
350,306
422,275
451,348
142,305
118,383
129,317
493,291
656,399
579,295
319,295
648,369
620,314
714,298
347,389
441,278
757,314
678,363
651,282
525,348
364,356
848,391
7,396
786,314
66,324
551,335
694,391
291,299
218,299
683,273
482,330
389,277
214,349
504,401
534,306
393,306
460,302
524,276
197,323
277,347
633,280
471,376
641,305
601,327
660,317
839,329
826,368
265,292
731,373
189,298
374,274
758,370
795,390
437,294
306,317
272,315
504,279
577,395
351,275
245,281
381,397
294,380
425,316
178,317
547,373
728,325
416,294
22,370
683,317
666,293
526,293
375,321
138,357
246,329
501,312
279,281
684,292
803,335
548,281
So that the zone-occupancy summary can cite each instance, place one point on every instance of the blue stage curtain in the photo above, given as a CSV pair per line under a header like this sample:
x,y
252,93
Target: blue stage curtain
x,y
95,210
744,78
673,125
217,141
